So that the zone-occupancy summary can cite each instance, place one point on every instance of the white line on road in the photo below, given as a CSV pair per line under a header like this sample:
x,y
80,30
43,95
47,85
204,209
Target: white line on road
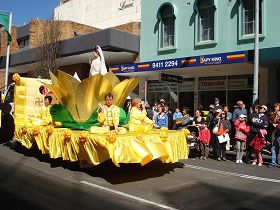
x,y
232,174
127,195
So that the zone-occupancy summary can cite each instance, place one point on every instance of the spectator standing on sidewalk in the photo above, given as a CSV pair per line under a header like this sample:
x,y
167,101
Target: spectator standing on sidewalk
x,y
276,142
204,138
249,149
240,109
260,124
177,119
7,128
242,130
224,127
217,105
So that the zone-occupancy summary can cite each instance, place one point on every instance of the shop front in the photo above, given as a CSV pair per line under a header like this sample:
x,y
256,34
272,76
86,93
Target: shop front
x,y
226,76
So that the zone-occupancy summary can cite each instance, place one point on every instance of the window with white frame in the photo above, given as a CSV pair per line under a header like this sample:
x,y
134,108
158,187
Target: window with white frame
x,y
206,12
167,27
248,17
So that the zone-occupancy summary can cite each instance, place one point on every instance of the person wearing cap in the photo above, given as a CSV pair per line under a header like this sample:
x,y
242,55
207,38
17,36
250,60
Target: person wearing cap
x,y
217,105
210,115
162,102
259,126
242,130
240,109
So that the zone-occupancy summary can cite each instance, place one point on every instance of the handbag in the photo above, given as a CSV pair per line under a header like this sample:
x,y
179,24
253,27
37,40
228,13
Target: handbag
x,y
216,128
223,138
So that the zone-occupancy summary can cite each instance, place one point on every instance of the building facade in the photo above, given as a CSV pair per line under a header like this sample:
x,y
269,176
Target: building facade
x,y
99,13
209,46
120,44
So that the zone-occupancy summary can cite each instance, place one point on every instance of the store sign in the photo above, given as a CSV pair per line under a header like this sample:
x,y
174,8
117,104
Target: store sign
x,y
158,86
171,78
210,60
203,60
186,86
237,83
212,84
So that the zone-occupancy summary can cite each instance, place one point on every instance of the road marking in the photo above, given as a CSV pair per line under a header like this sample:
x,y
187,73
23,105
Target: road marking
x,y
232,174
127,195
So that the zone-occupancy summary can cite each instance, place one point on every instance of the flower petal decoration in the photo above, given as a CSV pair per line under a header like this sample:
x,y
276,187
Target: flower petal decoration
x,y
82,98
121,90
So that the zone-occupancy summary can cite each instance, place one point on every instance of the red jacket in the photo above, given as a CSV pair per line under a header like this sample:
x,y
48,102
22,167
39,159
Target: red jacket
x,y
242,130
204,135
258,142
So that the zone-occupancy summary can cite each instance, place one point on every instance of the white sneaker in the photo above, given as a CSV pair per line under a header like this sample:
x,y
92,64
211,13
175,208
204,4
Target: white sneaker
x,y
240,161
260,164
254,163
237,161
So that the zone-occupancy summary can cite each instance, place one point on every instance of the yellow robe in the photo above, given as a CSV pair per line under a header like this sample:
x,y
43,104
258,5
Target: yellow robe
x,y
139,120
109,117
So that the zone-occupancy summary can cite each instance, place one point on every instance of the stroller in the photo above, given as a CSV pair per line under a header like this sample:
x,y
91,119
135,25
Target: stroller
x,y
192,141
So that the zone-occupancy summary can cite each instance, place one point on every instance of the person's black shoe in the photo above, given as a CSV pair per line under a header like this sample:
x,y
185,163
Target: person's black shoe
x,y
271,165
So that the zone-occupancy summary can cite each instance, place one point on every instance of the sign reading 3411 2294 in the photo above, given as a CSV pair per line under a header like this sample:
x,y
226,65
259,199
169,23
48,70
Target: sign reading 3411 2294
x,y
164,64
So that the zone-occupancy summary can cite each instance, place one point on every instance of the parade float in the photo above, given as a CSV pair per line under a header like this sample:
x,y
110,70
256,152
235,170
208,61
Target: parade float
x,y
72,131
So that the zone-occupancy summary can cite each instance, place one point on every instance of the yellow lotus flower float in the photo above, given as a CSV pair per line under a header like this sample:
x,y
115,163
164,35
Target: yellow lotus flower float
x,y
78,100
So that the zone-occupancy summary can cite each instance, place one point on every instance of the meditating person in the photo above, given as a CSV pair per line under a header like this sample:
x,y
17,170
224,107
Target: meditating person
x,y
108,116
97,65
138,117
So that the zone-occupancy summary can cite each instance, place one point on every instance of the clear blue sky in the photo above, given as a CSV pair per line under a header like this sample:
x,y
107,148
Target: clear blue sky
x,y
24,10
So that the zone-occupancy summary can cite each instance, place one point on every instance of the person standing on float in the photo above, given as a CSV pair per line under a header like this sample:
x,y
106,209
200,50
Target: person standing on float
x,y
97,65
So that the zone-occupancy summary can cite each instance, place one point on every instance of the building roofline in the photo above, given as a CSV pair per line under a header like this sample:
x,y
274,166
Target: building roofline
x,y
108,39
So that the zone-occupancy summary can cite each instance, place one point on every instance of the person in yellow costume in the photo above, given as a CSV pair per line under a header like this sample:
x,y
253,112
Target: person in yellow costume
x,y
44,117
108,116
138,117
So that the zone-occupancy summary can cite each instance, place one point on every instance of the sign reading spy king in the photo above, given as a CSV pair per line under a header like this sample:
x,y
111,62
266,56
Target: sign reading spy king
x,y
176,63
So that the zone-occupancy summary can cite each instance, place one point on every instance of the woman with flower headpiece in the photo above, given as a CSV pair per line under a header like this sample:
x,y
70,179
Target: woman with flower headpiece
x,y
97,65
138,117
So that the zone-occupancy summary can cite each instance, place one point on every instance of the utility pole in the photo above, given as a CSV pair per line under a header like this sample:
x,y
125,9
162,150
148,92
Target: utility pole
x,y
256,56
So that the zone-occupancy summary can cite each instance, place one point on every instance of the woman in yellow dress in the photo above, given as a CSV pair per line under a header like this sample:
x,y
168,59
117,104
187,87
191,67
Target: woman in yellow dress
x,y
138,117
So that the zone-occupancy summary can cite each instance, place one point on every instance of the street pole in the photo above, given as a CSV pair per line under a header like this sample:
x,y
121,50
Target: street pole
x,y
8,55
256,56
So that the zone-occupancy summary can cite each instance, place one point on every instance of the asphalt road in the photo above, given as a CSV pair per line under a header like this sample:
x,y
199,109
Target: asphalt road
x,y
30,180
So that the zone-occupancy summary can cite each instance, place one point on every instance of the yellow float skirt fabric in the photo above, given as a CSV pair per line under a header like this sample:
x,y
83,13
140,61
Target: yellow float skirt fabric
x,y
93,149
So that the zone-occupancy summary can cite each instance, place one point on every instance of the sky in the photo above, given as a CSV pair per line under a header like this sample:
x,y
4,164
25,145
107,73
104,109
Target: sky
x,y
24,10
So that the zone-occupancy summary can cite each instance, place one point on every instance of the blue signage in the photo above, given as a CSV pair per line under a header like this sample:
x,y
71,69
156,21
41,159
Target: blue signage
x,y
203,60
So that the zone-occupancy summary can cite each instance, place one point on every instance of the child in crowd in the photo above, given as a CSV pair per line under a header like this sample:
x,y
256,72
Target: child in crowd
x,y
242,130
258,144
204,138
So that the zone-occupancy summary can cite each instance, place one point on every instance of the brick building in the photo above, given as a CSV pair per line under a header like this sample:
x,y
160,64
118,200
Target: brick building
x,y
120,45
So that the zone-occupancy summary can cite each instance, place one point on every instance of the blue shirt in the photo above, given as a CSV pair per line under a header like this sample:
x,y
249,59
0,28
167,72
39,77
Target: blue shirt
x,y
177,115
162,120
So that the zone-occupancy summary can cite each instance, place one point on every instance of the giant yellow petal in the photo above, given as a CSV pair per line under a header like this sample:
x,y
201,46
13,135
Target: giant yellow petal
x,y
53,78
100,85
112,78
64,98
68,83
86,96
121,91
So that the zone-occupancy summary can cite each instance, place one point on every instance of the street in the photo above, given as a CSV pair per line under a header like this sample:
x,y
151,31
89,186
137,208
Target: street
x,y
30,180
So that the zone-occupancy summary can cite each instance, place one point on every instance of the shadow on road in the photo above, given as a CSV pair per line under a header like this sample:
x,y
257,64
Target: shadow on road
x,y
106,170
